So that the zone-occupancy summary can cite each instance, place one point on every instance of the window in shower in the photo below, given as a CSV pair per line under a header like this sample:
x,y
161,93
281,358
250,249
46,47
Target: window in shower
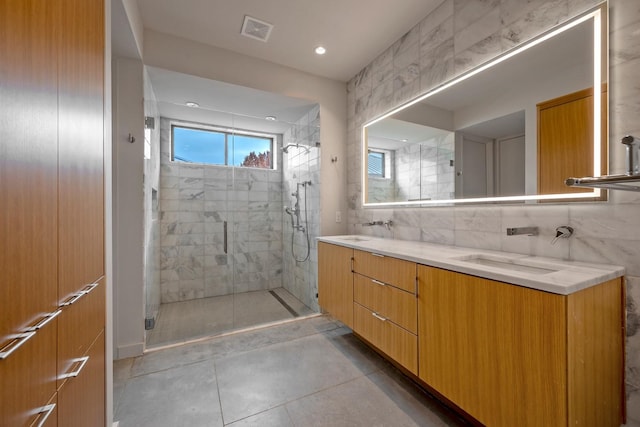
x,y
216,146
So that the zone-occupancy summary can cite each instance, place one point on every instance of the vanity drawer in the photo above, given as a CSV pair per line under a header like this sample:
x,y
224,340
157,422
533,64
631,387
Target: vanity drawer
x,y
397,343
392,271
400,307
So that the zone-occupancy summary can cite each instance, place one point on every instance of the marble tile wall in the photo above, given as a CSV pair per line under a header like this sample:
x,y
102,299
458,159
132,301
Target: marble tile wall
x,y
300,165
456,36
195,201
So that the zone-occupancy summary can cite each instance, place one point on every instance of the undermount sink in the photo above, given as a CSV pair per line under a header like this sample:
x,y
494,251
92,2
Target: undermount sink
x,y
354,238
510,264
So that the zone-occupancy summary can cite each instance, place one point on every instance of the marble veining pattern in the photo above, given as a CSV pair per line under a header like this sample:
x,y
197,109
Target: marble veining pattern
x,y
605,233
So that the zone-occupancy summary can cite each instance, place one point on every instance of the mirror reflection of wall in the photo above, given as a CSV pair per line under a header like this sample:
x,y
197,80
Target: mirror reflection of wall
x,y
479,137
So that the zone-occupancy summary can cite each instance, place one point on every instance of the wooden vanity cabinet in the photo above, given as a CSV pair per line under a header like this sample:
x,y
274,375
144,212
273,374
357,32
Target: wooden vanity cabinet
x,y
335,281
385,306
510,355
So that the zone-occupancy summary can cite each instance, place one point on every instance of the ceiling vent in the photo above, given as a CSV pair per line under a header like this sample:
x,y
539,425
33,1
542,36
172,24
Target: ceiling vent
x,y
256,29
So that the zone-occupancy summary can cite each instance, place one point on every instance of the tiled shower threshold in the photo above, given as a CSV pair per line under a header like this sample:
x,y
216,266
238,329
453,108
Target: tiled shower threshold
x,y
185,321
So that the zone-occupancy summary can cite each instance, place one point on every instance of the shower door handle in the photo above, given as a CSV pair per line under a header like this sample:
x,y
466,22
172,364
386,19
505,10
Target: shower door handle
x,y
225,237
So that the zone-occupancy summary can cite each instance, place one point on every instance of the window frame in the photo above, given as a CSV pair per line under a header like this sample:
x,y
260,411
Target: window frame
x,y
227,132
385,164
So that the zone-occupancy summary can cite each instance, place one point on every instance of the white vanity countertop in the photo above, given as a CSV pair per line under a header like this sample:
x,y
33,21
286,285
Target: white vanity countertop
x,y
544,274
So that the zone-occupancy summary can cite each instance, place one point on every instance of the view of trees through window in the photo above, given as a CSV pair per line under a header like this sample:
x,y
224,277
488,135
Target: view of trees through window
x,y
220,147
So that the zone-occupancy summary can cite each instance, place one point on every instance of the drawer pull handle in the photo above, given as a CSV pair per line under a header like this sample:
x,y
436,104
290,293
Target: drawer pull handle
x,y
48,318
378,255
17,342
47,411
377,316
89,288
74,298
377,282
82,361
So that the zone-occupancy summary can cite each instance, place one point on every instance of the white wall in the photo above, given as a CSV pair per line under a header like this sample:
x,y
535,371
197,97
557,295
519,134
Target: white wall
x,y
185,56
128,168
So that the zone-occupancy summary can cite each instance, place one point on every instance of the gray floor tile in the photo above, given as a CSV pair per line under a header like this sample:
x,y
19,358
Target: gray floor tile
x,y
359,354
309,372
421,407
219,347
255,381
121,373
357,403
185,396
277,417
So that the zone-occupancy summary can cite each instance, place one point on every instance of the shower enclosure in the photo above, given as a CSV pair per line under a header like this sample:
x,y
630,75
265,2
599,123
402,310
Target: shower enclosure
x,y
228,256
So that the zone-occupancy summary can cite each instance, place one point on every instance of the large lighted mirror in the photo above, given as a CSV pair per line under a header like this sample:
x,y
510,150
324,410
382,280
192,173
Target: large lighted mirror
x,y
511,130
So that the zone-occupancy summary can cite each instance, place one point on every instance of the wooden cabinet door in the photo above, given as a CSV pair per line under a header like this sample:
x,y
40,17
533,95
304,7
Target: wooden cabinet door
x,y
497,350
81,400
81,135
335,281
28,205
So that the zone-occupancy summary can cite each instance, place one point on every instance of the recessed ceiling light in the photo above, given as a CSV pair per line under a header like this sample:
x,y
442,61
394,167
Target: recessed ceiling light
x,y
272,118
320,50
192,104
404,140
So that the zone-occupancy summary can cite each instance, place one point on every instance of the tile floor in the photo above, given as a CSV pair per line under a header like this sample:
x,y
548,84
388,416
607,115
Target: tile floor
x,y
186,320
307,372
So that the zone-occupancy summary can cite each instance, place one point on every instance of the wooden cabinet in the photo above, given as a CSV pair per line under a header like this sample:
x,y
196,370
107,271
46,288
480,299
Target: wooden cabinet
x,y
51,190
335,281
510,355
385,306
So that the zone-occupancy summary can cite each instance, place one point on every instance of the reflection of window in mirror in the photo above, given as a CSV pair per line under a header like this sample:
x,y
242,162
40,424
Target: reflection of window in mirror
x,y
378,164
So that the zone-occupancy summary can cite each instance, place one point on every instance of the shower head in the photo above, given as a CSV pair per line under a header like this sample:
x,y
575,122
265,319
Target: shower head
x,y
285,149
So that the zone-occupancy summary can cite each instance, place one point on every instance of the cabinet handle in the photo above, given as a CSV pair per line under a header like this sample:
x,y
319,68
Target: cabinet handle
x,y
377,316
89,288
377,282
48,318
47,411
352,260
378,255
74,298
17,341
82,361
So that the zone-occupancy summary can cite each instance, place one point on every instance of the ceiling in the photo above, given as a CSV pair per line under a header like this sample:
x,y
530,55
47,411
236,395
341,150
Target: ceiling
x,y
354,32
222,103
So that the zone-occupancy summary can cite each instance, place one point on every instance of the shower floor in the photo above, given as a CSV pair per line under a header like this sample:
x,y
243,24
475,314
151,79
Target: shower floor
x,y
186,320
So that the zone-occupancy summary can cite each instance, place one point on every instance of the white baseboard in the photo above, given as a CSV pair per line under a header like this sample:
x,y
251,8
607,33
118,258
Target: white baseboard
x,y
130,350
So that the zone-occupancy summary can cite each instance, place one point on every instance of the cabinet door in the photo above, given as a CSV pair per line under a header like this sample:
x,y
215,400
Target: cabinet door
x,y
335,281
28,191
81,400
496,350
81,186
78,326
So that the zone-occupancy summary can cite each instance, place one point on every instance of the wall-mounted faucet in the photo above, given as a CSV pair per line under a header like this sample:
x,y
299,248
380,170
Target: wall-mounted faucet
x,y
529,231
562,232
388,223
